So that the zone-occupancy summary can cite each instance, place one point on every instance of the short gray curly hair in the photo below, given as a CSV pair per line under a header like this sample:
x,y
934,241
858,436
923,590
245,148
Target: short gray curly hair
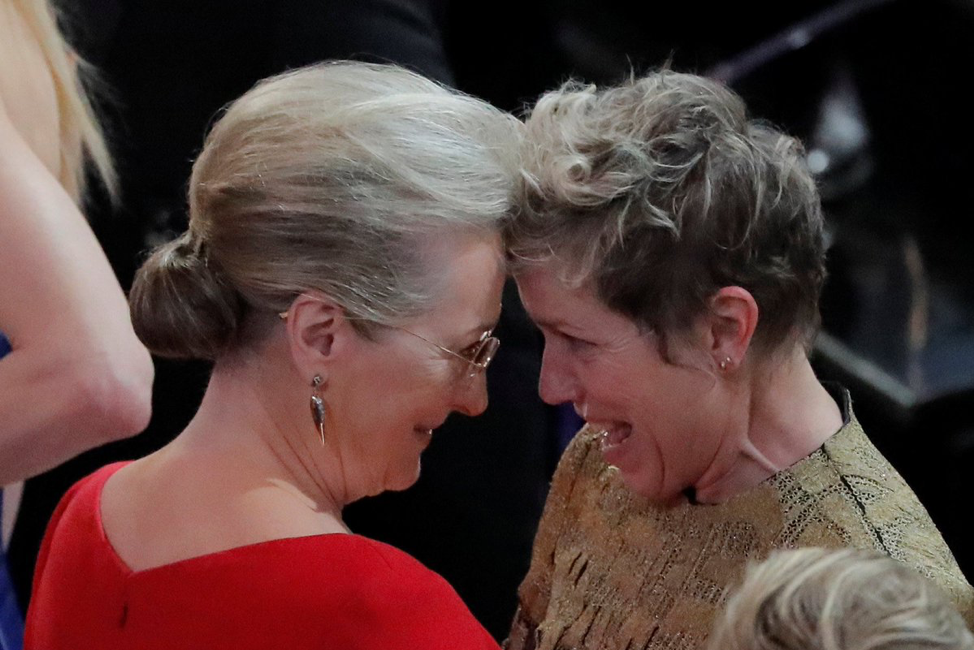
x,y
816,599
661,191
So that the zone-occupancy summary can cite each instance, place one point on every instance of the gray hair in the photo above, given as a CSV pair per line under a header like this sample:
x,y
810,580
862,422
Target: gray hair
x,y
661,191
815,599
329,178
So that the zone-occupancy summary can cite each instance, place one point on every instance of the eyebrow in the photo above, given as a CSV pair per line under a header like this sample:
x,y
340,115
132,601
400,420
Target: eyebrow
x,y
486,326
482,328
550,324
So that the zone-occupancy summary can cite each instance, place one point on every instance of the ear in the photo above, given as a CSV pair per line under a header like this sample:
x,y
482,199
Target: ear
x,y
731,323
317,333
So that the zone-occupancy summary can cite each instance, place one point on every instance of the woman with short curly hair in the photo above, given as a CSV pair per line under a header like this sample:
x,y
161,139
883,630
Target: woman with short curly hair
x,y
671,250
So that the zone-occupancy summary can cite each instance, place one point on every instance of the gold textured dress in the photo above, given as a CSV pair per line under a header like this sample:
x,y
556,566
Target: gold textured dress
x,y
611,570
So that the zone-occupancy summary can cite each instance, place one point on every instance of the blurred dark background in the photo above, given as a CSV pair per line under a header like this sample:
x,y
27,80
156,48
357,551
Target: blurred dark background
x,y
874,88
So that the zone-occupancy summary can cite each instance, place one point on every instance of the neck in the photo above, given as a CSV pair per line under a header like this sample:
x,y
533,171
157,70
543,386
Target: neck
x,y
777,418
248,434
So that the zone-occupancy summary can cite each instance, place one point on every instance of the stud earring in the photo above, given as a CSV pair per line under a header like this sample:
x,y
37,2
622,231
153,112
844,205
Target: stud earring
x,y
723,364
318,408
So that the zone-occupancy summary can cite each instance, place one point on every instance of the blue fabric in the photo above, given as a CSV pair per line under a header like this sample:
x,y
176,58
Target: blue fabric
x,y
567,424
11,621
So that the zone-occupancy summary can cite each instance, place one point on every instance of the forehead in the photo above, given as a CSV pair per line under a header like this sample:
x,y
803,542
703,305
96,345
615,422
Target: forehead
x,y
543,292
552,303
467,273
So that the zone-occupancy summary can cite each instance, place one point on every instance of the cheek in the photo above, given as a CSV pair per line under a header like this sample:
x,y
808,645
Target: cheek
x,y
407,397
680,431
403,384
605,383
643,470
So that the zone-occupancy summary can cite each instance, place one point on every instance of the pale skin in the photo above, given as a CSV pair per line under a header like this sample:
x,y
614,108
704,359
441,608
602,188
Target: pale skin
x,y
77,376
250,467
690,424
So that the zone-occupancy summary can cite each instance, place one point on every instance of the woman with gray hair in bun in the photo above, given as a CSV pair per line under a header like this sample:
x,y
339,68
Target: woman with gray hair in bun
x,y
343,271
671,251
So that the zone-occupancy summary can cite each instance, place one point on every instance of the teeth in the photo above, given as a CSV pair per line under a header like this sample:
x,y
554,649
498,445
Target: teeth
x,y
614,435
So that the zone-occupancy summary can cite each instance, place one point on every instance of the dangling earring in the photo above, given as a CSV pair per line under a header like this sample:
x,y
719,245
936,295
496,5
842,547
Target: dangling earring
x,y
318,408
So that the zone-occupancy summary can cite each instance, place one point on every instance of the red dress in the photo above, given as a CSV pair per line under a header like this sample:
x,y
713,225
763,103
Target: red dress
x,y
341,592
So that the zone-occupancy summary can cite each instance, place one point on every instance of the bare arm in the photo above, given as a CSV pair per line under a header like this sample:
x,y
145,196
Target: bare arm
x,y
77,376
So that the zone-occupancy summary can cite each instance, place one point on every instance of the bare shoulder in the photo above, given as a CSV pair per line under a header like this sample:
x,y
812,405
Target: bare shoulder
x,y
160,510
155,511
128,509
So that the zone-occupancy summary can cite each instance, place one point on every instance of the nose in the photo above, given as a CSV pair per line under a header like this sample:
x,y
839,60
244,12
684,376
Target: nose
x,y
472,395
557,384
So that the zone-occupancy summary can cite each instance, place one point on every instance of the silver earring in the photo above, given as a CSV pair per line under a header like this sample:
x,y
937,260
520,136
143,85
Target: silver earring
x,y
723,364
318,408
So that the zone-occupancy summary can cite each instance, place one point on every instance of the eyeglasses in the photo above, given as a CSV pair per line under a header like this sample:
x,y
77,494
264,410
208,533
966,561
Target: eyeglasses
x,y
478,355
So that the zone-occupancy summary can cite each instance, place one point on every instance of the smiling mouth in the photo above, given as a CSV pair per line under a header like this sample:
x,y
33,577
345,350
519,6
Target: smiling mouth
x,y
613,434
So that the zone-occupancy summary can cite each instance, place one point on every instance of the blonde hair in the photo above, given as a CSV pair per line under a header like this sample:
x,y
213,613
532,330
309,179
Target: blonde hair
x,y
331,178
81,135
816,599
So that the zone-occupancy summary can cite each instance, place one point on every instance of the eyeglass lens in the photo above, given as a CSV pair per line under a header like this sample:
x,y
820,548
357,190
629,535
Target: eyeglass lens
x,y
485,353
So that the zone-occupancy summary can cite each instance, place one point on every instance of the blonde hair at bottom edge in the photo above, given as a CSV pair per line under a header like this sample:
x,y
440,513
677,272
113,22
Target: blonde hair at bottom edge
x,y
818,599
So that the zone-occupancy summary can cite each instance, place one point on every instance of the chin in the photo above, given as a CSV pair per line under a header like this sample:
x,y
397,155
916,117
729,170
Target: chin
x,y
649,488
404,480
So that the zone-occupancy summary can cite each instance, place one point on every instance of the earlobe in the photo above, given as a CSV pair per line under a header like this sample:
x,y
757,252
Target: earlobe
x,y
734,317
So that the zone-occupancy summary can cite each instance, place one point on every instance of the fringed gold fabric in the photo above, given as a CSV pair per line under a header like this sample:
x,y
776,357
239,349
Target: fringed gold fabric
x,y
610,570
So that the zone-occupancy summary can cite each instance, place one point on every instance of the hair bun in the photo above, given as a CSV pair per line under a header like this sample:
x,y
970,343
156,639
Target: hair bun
x,y
182,307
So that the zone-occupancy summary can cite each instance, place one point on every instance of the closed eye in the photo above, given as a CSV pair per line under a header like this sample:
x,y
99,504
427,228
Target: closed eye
x,y
573,342
576,343
470,352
